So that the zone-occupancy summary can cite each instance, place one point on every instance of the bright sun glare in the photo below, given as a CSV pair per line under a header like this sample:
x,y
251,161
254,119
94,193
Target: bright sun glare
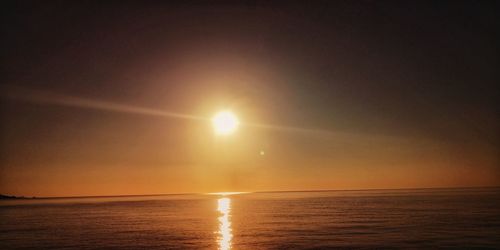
x,y
225,123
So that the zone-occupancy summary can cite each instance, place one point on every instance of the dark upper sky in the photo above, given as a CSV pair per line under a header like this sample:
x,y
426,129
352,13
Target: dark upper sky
x,y
421,70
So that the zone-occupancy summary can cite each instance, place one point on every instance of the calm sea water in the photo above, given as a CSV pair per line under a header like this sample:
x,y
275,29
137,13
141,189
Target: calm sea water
x,y
430,218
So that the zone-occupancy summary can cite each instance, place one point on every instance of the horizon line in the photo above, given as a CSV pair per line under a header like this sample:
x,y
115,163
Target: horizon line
x,y
247,192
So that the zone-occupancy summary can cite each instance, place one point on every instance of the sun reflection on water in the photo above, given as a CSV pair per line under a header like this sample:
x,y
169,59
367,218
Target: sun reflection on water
x,y
224,234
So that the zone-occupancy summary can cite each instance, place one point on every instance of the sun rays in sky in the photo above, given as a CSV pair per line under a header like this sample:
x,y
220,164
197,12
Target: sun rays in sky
x,y
163,100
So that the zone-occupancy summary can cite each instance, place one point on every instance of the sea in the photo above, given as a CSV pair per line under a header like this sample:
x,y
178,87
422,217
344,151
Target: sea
x,y
467,218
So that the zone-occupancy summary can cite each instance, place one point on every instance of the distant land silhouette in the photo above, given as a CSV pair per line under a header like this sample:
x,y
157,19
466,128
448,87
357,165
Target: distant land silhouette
x,y
9,197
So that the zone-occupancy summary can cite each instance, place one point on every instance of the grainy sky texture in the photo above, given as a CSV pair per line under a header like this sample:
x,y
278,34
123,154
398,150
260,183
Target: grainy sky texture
x,y
351,95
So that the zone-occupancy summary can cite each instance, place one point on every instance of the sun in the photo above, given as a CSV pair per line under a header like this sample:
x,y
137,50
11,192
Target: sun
x,y
225,122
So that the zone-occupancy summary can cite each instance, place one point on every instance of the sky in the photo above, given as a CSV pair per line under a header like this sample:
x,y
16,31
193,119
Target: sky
x,y
115,98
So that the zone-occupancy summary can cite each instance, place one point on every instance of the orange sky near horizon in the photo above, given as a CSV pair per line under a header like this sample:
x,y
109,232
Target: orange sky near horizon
x,y
132,154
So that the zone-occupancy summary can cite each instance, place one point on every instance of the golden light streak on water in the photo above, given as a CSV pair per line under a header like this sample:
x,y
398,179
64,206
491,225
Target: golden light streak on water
x,y
225,232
